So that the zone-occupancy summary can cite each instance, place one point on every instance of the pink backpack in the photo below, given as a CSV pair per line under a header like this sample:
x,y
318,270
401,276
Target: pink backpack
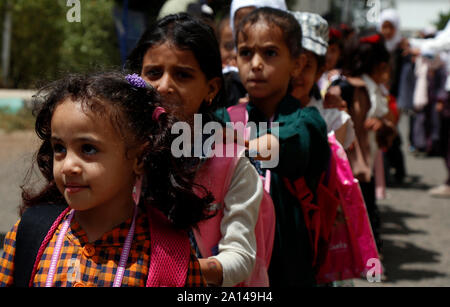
x,y
208,234
351,243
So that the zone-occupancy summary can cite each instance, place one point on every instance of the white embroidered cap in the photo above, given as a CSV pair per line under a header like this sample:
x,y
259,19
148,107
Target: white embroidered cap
x,y
315,32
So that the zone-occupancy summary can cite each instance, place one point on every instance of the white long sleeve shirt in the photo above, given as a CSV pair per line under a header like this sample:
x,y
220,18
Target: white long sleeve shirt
x,y
237,247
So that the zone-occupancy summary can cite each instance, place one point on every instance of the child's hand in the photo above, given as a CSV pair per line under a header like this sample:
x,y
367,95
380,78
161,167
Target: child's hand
x,y
267,146
244,100
439,106
373,124
333,99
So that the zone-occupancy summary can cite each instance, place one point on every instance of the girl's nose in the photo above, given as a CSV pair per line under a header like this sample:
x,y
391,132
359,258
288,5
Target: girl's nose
x,y
164,85
71,165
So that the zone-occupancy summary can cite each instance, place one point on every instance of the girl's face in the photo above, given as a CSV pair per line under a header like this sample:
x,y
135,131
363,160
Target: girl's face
x,y
302,85
90,165
332,57
388,30
177,76
227,50
380,73
265,62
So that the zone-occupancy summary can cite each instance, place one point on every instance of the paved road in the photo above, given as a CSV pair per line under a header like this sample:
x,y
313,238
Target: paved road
x,y
415,228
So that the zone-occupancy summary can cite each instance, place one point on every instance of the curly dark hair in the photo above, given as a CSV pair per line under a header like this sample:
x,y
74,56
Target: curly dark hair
x,y
170,187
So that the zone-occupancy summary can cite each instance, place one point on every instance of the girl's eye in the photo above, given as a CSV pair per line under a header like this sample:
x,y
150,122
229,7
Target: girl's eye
x,y
89,149
58,149
271,53
153,74
244,53
229,46
184,75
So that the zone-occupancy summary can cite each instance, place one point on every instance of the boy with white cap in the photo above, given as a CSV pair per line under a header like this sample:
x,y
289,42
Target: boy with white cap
x,y
304,88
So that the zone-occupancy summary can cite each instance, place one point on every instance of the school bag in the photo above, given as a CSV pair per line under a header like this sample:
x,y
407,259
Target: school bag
x,y
319,214
352,243
169,256
208,233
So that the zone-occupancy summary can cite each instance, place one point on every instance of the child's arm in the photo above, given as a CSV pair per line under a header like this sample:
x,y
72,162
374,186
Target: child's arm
x,y
212,271
341,133
237,247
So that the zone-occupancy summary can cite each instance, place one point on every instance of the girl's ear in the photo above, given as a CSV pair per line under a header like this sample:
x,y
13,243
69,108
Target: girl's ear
x,y
138,163
214,86
299,64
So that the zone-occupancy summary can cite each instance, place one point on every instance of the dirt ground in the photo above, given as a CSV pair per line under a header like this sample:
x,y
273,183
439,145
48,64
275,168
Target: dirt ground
x,y
16,153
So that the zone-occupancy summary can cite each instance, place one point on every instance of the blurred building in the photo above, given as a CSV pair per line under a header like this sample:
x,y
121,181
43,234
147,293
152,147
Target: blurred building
x,y
415,14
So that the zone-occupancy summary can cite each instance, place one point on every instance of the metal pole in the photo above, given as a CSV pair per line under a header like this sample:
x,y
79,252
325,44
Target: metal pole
x,y
6,42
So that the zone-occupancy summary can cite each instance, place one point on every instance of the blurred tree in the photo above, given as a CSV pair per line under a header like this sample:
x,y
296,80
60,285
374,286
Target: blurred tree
x,y
44,44
442,20
35,40
93,41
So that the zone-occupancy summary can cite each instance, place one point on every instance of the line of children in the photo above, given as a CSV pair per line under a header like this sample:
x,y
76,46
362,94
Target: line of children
x,y
364,70
179,56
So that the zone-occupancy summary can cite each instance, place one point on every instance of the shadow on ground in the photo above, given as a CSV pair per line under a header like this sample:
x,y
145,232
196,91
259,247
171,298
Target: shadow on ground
x,y
394,221
397,253
412,182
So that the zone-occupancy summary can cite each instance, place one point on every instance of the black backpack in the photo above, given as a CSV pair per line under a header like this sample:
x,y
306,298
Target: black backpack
x,y
33,227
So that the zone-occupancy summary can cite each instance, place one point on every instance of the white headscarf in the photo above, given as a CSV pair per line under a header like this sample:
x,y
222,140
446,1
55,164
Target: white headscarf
x,y
392,16
238,4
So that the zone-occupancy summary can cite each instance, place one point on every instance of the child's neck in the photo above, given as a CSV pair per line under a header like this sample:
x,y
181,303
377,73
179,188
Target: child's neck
x,y
99,220
304,101
267,105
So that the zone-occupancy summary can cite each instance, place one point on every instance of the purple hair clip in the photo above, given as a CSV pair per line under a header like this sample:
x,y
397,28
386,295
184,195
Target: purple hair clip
x,y
136,81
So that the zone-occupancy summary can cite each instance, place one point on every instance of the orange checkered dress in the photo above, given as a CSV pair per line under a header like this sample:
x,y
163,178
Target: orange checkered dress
x,y
84,264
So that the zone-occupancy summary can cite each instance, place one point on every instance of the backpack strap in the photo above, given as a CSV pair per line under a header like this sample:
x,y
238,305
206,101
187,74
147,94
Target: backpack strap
x,y
33,228
238,114
169,252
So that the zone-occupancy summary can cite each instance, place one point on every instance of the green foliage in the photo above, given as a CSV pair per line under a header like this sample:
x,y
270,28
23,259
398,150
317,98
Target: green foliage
x,y
91,42
35,40
44,44
442,20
